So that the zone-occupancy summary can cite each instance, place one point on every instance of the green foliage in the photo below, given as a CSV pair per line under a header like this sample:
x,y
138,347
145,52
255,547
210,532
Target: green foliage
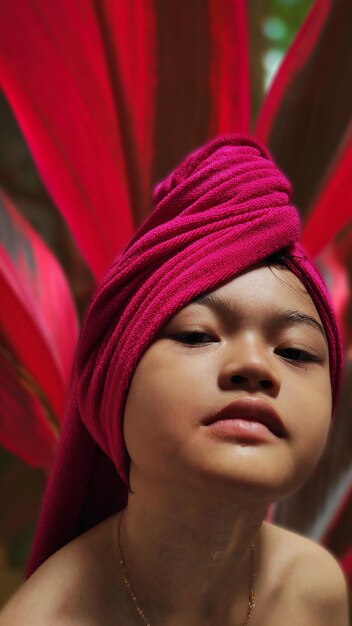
x,y
280,24
284,18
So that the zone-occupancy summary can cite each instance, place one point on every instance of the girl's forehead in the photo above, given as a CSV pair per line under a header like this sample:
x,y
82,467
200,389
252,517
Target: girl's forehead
x,y
262,285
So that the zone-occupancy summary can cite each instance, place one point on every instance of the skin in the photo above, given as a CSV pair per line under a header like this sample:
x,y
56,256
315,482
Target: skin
x,y
199,500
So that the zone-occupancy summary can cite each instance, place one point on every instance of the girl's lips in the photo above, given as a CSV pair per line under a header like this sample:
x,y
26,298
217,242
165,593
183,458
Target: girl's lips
x,y
253,416
243,430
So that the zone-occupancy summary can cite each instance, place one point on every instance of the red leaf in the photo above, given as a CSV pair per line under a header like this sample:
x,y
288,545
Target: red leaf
x,y
346,564
128,36
229,67
111,94
203,76
57,79
336,278
38,319
332,209
292,64
307,112
25,429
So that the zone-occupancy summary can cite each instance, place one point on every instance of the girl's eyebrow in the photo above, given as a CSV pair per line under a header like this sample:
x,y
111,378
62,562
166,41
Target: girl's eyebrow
x,y
282,317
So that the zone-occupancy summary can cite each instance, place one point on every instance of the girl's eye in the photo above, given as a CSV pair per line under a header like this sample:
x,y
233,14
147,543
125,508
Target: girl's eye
x,y
193,337
298,354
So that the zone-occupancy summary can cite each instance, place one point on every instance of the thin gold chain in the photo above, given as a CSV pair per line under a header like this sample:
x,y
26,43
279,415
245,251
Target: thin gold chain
x,y
251,596
126,579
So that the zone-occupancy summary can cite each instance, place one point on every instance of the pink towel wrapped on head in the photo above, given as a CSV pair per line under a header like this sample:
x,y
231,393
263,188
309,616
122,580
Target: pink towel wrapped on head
x,y
224,209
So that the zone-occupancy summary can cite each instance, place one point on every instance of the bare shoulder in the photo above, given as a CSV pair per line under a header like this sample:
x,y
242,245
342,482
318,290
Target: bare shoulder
x,y
313,577
39,598
56,591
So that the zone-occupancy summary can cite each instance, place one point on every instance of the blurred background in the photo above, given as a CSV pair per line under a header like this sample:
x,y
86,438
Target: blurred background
x,y
98,100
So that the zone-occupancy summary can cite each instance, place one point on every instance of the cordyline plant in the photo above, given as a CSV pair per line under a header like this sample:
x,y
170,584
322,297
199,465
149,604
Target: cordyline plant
x,y
109,96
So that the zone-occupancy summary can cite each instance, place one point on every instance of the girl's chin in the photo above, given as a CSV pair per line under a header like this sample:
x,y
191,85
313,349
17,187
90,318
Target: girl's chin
x,y
257,482
251,471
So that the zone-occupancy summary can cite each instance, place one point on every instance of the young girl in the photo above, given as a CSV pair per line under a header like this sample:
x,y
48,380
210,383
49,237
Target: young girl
x,y
204,382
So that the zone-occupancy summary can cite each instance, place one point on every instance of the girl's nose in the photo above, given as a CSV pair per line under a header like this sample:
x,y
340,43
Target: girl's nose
x,y
251,368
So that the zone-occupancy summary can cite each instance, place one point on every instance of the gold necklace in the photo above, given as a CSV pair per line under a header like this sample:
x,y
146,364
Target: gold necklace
x,y
251,596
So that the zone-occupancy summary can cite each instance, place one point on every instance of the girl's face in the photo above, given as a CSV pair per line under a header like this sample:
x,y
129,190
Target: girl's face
x,y
266,344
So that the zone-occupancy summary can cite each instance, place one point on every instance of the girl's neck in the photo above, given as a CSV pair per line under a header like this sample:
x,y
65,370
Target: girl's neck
x,y
188,554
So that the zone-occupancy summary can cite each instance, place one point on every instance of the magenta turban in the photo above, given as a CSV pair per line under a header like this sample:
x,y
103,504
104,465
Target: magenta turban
x,y
224,209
